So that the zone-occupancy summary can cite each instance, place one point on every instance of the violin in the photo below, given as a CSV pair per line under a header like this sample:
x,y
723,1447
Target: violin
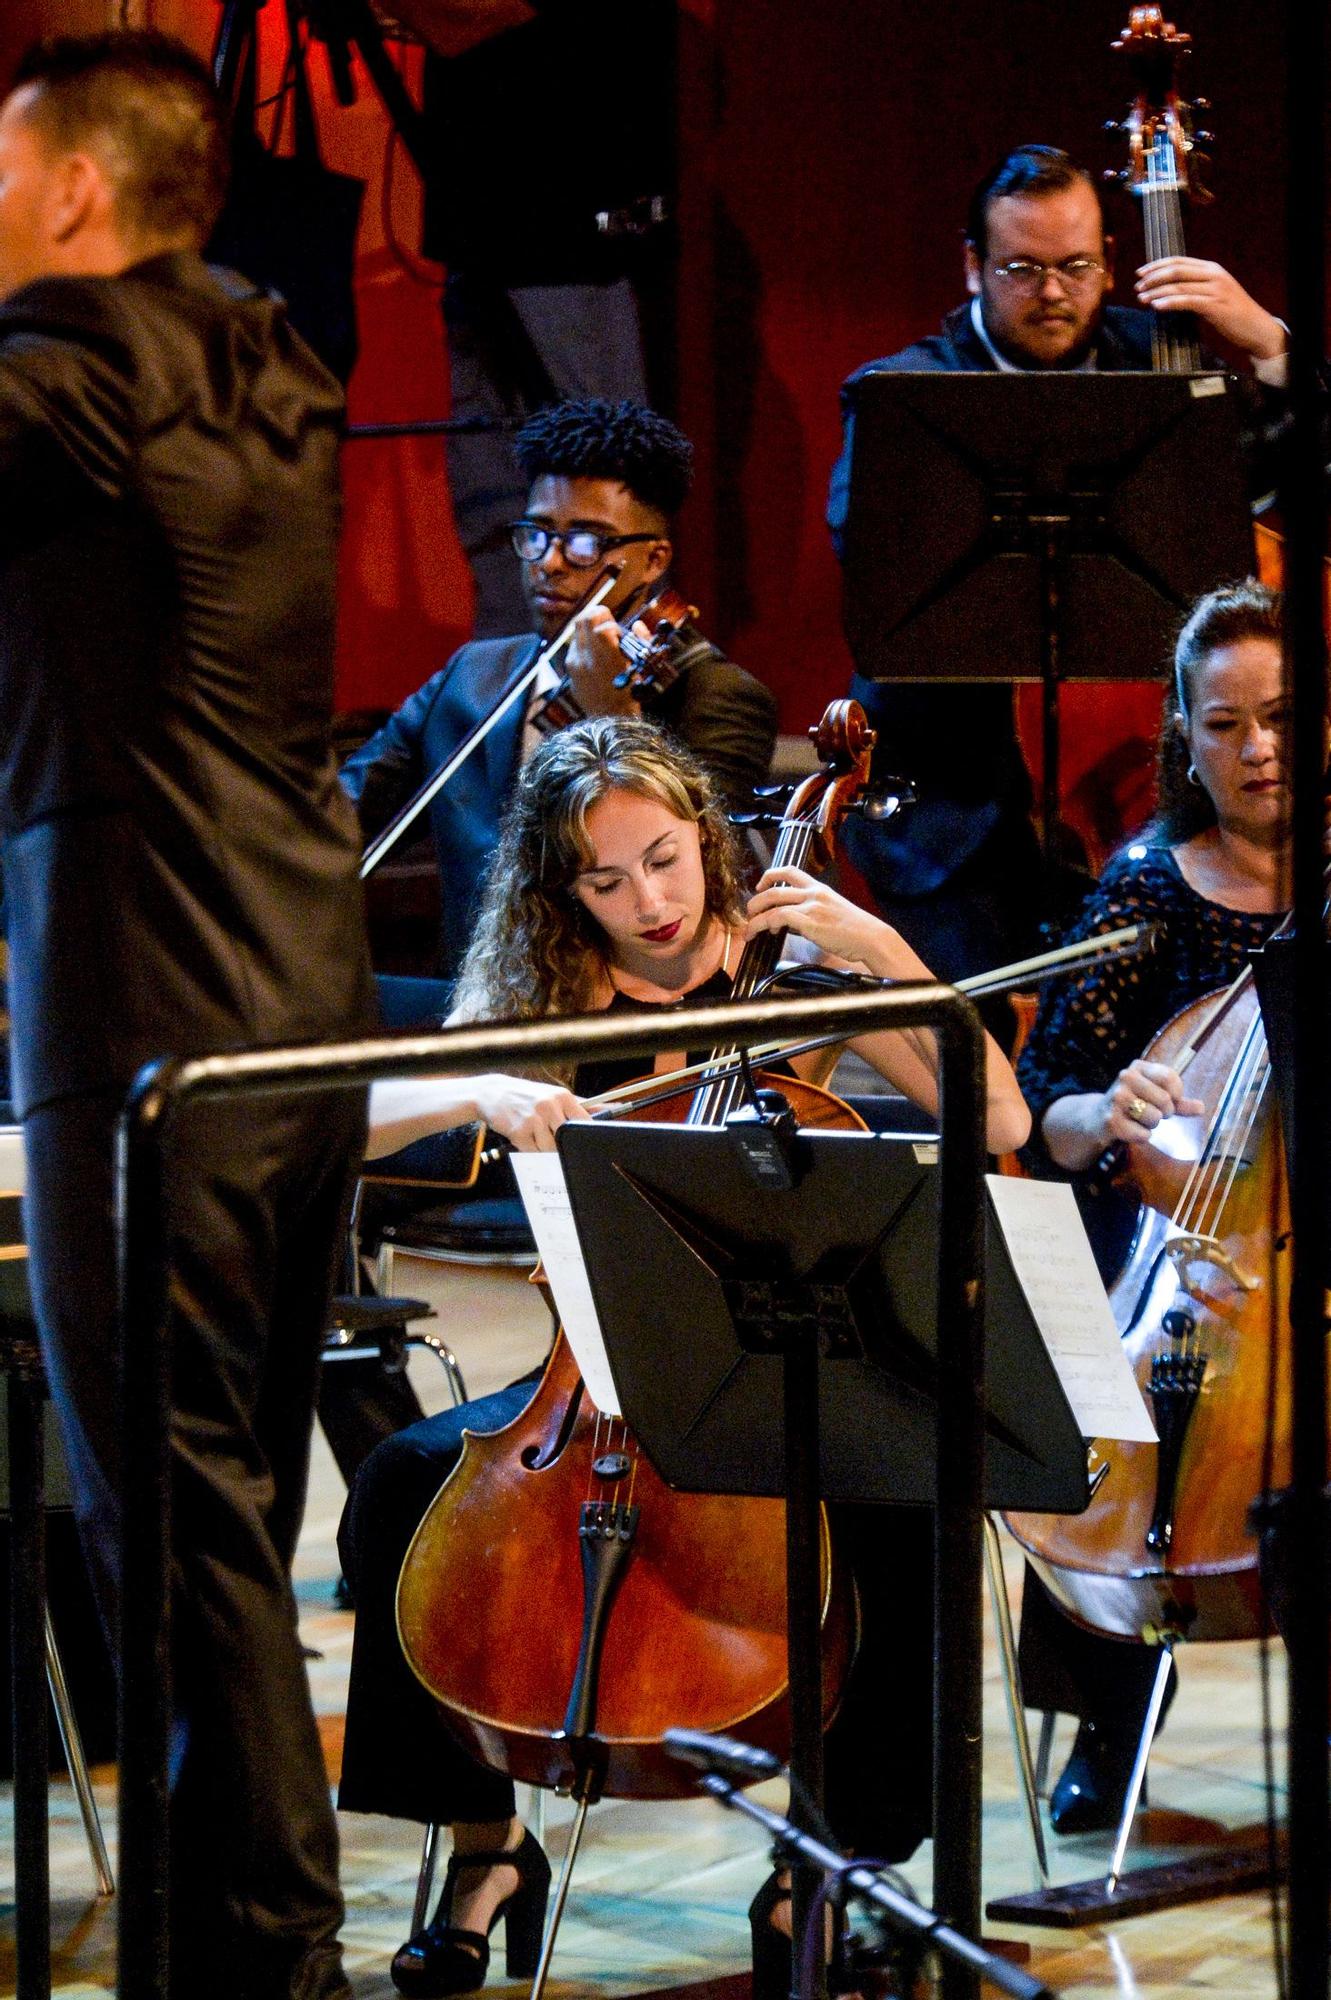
x,y
652,1608
1164,1550
655,662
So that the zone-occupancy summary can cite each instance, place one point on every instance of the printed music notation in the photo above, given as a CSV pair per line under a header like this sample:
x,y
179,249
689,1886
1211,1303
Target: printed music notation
x,y
1052,1259
544,1191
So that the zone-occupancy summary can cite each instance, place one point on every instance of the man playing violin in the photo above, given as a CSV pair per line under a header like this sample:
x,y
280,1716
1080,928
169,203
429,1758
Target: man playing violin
x,y
1039,268
604,481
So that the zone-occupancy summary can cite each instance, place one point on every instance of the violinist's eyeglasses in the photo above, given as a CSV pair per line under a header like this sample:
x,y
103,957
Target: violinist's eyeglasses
x,y
1023,274
583,548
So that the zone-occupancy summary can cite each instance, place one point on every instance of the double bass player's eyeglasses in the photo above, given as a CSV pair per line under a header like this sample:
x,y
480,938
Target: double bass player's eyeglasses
x,y
1074,274
583,547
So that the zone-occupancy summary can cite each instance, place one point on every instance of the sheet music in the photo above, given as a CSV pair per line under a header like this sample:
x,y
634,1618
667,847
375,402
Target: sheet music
x,y
1052,1258
544,1191
13,1169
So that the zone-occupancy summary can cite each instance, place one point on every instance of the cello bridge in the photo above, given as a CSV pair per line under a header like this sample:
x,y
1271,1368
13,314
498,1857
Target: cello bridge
x,y
1184,1250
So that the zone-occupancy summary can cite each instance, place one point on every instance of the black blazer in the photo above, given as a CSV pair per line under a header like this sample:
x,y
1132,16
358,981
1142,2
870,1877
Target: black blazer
x,y
180,863
726,716
960,743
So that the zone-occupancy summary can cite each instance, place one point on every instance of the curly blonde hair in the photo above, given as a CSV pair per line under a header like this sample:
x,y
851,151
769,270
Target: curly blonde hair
x,y
536,951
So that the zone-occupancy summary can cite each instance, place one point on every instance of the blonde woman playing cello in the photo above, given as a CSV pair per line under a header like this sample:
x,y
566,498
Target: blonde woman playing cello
x,y
616,886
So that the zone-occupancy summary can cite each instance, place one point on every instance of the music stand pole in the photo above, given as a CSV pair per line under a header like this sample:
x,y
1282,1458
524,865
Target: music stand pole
x,y
1303,499
804,1596
1050,740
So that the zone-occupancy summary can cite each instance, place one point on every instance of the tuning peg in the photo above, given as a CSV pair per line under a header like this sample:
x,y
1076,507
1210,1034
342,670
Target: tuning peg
x,y
755,819
1203,138
885,800
1201,104
1113,125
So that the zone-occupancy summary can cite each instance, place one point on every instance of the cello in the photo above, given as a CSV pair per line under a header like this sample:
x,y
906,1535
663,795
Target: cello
x,y
1164,1549
658,1608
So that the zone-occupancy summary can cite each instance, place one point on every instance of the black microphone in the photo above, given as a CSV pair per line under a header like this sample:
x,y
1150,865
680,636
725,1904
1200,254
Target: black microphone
x,y
742,1763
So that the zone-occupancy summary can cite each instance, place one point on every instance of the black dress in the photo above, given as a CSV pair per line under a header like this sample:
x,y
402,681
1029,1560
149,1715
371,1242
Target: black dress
x,y
1089,1027
399,1758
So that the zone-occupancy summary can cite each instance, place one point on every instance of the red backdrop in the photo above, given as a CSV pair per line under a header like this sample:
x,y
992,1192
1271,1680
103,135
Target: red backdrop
x,y
827,154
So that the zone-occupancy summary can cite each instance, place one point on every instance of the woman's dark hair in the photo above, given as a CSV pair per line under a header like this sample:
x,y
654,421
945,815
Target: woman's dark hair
x,y
1032,170
596,439
1243,610
146,105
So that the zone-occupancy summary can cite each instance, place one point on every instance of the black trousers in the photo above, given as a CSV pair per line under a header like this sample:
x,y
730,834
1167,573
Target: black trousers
x,y
255,1904
400,1759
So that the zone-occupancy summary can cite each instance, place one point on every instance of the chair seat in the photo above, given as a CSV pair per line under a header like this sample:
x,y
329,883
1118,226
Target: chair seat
x,y
369,1316
494,1230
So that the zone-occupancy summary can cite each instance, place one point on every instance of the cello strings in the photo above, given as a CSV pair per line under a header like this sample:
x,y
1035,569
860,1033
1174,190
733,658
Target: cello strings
x,y
1256,1091
1238,1090
1244,1087
1189,1207
718,1096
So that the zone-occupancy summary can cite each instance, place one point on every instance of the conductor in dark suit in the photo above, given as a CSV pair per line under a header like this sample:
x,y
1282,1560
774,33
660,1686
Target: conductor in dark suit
x,y
604,479
956,876
180,875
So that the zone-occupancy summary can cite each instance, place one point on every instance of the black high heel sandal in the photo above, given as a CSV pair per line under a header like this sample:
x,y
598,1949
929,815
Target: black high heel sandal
x,y
852,1969
443,1959
769,1947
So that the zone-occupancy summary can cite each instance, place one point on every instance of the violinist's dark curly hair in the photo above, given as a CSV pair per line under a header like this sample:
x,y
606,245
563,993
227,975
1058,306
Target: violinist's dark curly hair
x,y
1246,609
596,439
1028,170
536,951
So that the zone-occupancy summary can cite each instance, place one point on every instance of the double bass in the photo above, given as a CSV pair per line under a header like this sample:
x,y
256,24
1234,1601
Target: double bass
x,y
1164,174
611,1607
1165,1549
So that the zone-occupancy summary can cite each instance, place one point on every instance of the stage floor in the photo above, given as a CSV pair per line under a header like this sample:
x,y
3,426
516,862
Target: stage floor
x,y
660,1893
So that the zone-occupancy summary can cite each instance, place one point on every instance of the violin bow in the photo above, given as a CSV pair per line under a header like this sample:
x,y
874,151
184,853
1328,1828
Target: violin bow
x,y
380,847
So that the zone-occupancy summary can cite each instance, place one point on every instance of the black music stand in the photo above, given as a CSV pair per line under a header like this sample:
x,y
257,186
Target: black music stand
x,y
784,1342
1037,526
1275,973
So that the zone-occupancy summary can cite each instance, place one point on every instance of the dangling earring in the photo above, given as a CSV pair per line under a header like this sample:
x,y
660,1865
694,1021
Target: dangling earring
x,y
1192,777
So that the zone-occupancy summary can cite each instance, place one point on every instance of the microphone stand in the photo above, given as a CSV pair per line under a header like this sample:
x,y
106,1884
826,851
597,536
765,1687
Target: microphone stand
x,y
865,1884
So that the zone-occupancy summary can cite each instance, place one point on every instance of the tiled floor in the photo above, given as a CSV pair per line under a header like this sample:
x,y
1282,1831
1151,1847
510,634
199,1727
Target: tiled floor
x,y
660,1892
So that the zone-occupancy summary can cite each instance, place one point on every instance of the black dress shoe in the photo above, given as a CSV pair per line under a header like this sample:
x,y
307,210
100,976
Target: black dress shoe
x,y
445,1958
1090,1793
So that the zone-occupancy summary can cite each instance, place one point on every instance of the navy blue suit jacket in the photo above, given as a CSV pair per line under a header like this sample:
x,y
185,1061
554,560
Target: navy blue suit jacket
x,y
724,715
959,743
